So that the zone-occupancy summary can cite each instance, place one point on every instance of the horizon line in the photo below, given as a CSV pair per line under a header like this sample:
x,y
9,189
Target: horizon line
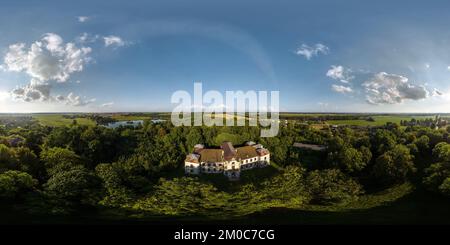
x,y
283,112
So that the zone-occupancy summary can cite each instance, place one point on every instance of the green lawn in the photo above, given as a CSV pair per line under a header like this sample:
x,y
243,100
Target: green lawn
x,y
379,120
56,120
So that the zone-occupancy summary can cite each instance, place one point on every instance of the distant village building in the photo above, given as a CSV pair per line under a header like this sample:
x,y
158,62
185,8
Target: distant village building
x,y
310,147
227,160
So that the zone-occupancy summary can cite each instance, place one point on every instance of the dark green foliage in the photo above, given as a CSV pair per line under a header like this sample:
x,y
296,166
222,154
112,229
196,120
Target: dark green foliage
x,y
383,141
15,183
331,186
290,184
27,161
74,186
423,144
293,187
183,196
352,160
395,165
58,159
141,169
116,193
437,176
442,152
7,160
444,188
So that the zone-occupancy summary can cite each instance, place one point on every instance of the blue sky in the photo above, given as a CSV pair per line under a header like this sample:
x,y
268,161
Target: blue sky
x,y
324,56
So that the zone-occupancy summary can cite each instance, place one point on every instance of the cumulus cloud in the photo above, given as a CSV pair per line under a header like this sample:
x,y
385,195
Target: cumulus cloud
x,y
113,41
34,91
341,89
384,88
47,59
60,98
75,100
340,73
310,51
83,18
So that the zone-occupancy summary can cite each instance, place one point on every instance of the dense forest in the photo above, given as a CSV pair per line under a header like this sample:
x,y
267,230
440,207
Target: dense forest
x,y
138,171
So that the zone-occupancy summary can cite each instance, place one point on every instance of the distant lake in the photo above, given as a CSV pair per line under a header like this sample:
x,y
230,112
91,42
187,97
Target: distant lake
x,y
133,123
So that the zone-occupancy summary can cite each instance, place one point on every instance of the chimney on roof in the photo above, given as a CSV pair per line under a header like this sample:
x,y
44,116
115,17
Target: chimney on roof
x,y
198,148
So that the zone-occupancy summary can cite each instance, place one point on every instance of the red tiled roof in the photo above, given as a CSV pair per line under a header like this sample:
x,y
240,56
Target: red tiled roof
x,y
228,151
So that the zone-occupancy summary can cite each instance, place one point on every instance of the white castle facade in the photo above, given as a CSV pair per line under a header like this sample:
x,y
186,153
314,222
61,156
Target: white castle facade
x,y
227,160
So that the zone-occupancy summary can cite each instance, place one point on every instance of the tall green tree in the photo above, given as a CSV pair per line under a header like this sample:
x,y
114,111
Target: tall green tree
x,y
395,165
72,187
15,183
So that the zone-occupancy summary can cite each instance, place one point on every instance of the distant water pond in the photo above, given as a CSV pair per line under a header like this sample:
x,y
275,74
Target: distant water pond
x,y
132,123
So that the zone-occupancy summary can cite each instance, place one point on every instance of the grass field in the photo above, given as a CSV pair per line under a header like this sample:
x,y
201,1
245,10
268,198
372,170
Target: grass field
x,y
140,116
56,120
379,120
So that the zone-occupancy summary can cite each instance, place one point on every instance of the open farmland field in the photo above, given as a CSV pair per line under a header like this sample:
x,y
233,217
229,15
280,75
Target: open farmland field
x,y
139,116
58,120
379,120
355,119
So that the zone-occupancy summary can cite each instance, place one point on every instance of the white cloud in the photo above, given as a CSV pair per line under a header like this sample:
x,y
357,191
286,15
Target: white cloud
x,y
60,98
310,51
87,38
340,73
34,91
76,100
83,18
4,95
113,41
341,89
47,59
384,88
107,104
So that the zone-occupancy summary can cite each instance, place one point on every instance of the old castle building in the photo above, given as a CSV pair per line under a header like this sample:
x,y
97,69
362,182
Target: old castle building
x,y
227,160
